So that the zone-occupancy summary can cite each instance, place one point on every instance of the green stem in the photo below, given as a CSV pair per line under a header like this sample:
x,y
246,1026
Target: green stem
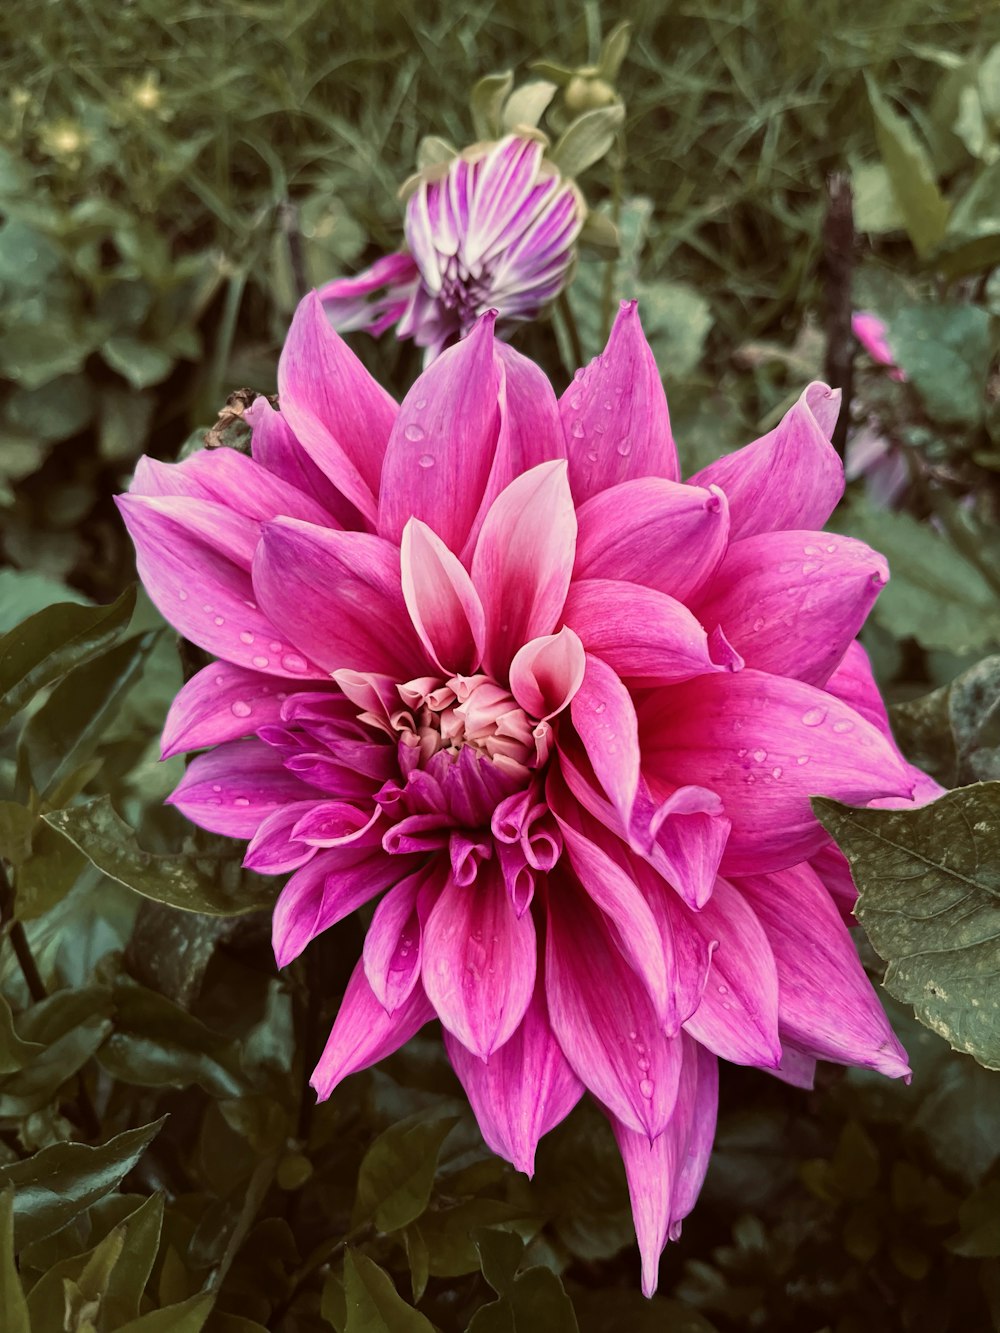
x,y
569,319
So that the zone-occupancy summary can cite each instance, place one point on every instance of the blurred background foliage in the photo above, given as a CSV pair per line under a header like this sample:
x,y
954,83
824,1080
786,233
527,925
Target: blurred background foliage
x,y
172,175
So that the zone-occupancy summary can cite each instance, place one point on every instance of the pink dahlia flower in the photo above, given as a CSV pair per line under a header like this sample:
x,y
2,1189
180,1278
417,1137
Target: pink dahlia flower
x,y
483,656
494,230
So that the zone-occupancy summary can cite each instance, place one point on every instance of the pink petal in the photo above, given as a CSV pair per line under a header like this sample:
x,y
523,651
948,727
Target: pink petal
x,y
547,672
615,414
618,1049
854,683
338,597
393,942
479,961
234,787
790,478
339,414
646,637
523,561
523,1090
797,1069
441,449
228,535
605,722
767,744
371,300
443,604
682,832
792,602
275,447
659,533
273,850
702,1111
220,703
827,1005
738,1015
363,1033
834,871
326,890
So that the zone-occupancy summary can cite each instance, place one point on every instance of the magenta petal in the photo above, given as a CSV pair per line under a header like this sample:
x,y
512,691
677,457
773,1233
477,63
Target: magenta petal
x,y
797,1069
479,961
443,603
524,560
738,1015
657,533
790,478
827,1005
363,1033
339,414
546,673
605,721
393,941
792,602
782,742
854,683
699,1124
338,597
326,890
646,637
523,1090
617,1049
275,447
683,834
834,871
234,787
273,850
615,414
440,452
220,703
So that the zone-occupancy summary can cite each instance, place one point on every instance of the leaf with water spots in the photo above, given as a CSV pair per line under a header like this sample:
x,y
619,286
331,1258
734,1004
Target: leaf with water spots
x,y
929,897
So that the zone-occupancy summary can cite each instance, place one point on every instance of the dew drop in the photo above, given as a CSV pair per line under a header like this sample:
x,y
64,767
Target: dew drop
x,y
420,404
750,779
843,725
831,548
607,404
220,680
216,787
599,428
759,756
632,1036
646,1088
576,430
182,595
726,1004
293,662
576,402
251,605
246,637
813,717
600,708
592,455
625,448
776,772
723,990
413,432
742,754
240,708
758,624
260,661
425,461
275,647
810,550
220,620
242,800
207,608
643,1064
811,566
802,759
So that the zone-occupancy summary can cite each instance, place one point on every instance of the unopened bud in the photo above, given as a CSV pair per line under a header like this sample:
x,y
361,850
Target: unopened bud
x,y
585,92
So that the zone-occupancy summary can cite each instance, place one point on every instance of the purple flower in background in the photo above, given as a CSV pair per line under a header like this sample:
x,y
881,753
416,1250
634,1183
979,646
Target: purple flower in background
x,y
872,333
493,230
484,657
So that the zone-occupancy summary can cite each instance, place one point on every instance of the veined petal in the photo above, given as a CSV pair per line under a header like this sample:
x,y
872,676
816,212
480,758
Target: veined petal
x,y
618,1050
326,890
682,832
273,850
766,744
615,414
523,561
790,478
337,596
834,871
827,1005
546,673
393,942
646,637
523,1090
792,602
363,1033
605,721
371,300
737,1018
339,414
854,683
443,603
441,449
234,787
479,961
702,1111
220,703
659,533
274,446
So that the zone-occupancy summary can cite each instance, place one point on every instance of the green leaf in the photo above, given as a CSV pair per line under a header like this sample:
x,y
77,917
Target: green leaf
x,y
954,732
449,1232
536,1300
16,824
70,1026
500,1254
187,1317
47,875
141,363
587,139
527,105
13,1306
373,1303
52,642
397,1173
65,731
610,1311
52,411
59,1182
14,1053
131,1272
945,351
924,208
614,49
979,1219
929,897
486,103
972,241
186,882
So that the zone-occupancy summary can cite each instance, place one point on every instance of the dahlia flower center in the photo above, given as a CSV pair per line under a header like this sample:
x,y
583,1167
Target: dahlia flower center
x,y
466,711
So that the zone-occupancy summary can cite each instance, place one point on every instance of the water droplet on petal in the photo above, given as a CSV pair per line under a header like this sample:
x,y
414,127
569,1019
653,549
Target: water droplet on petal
x,y
625,448
810,550
576,402
632,1036
260,661
811,566
643,1064
420,404
413,432
607,404
182,595
206,607
220,680
592,455
576,430
776,772
242,800
831,548
723,990
758,624
759,756
600,708
814,717
246,637
275,647
425,461
842,726
646,1088
220,620
293,662
216,787
240,708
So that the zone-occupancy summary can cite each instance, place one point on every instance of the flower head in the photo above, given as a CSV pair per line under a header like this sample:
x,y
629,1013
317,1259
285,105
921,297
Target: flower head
x,y
483,656
494,228
873,335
